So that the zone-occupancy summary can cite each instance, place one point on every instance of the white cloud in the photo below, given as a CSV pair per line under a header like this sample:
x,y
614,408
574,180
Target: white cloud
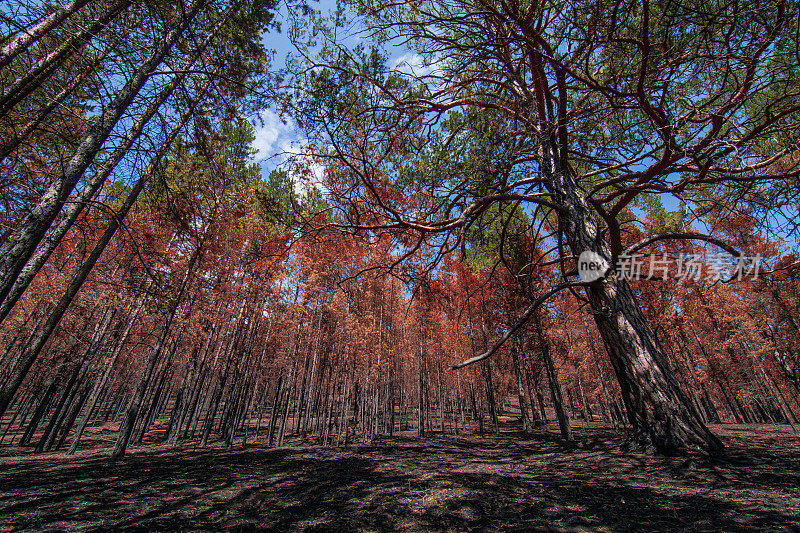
x,y
282,145
292,149
271,132
412,64
317,175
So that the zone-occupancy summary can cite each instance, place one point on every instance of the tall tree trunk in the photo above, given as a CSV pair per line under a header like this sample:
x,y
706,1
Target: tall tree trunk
x,y
587,409
661,415
24,242
40,411
49,242
32,352
527,424
490,397
24,130
421,388
33,33
46,66
126,428
95,394
552,376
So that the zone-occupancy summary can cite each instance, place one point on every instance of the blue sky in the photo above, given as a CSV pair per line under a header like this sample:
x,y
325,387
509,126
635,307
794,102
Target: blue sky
x,y
278,137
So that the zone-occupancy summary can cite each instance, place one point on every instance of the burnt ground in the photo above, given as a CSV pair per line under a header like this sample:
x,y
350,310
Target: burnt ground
x,y
506,482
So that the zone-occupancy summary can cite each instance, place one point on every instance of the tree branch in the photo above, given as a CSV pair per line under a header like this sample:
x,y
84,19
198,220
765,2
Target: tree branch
x,y
519,323
685,235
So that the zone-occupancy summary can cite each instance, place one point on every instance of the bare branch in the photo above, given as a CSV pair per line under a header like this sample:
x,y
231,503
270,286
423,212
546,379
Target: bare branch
x,y
681,235
523,319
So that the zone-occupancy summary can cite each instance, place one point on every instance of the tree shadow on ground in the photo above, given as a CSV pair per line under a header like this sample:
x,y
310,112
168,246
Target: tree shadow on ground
x,y
510,483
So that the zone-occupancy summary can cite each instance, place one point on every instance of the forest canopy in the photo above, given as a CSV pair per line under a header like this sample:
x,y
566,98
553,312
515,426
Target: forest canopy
x,y
418,264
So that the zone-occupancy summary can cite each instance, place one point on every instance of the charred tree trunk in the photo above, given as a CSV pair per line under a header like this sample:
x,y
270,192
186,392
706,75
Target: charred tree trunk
x,y
555,385
132,414
523,404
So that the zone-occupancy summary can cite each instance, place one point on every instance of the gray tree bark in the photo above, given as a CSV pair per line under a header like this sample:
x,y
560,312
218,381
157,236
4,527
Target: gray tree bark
x,y
35,32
